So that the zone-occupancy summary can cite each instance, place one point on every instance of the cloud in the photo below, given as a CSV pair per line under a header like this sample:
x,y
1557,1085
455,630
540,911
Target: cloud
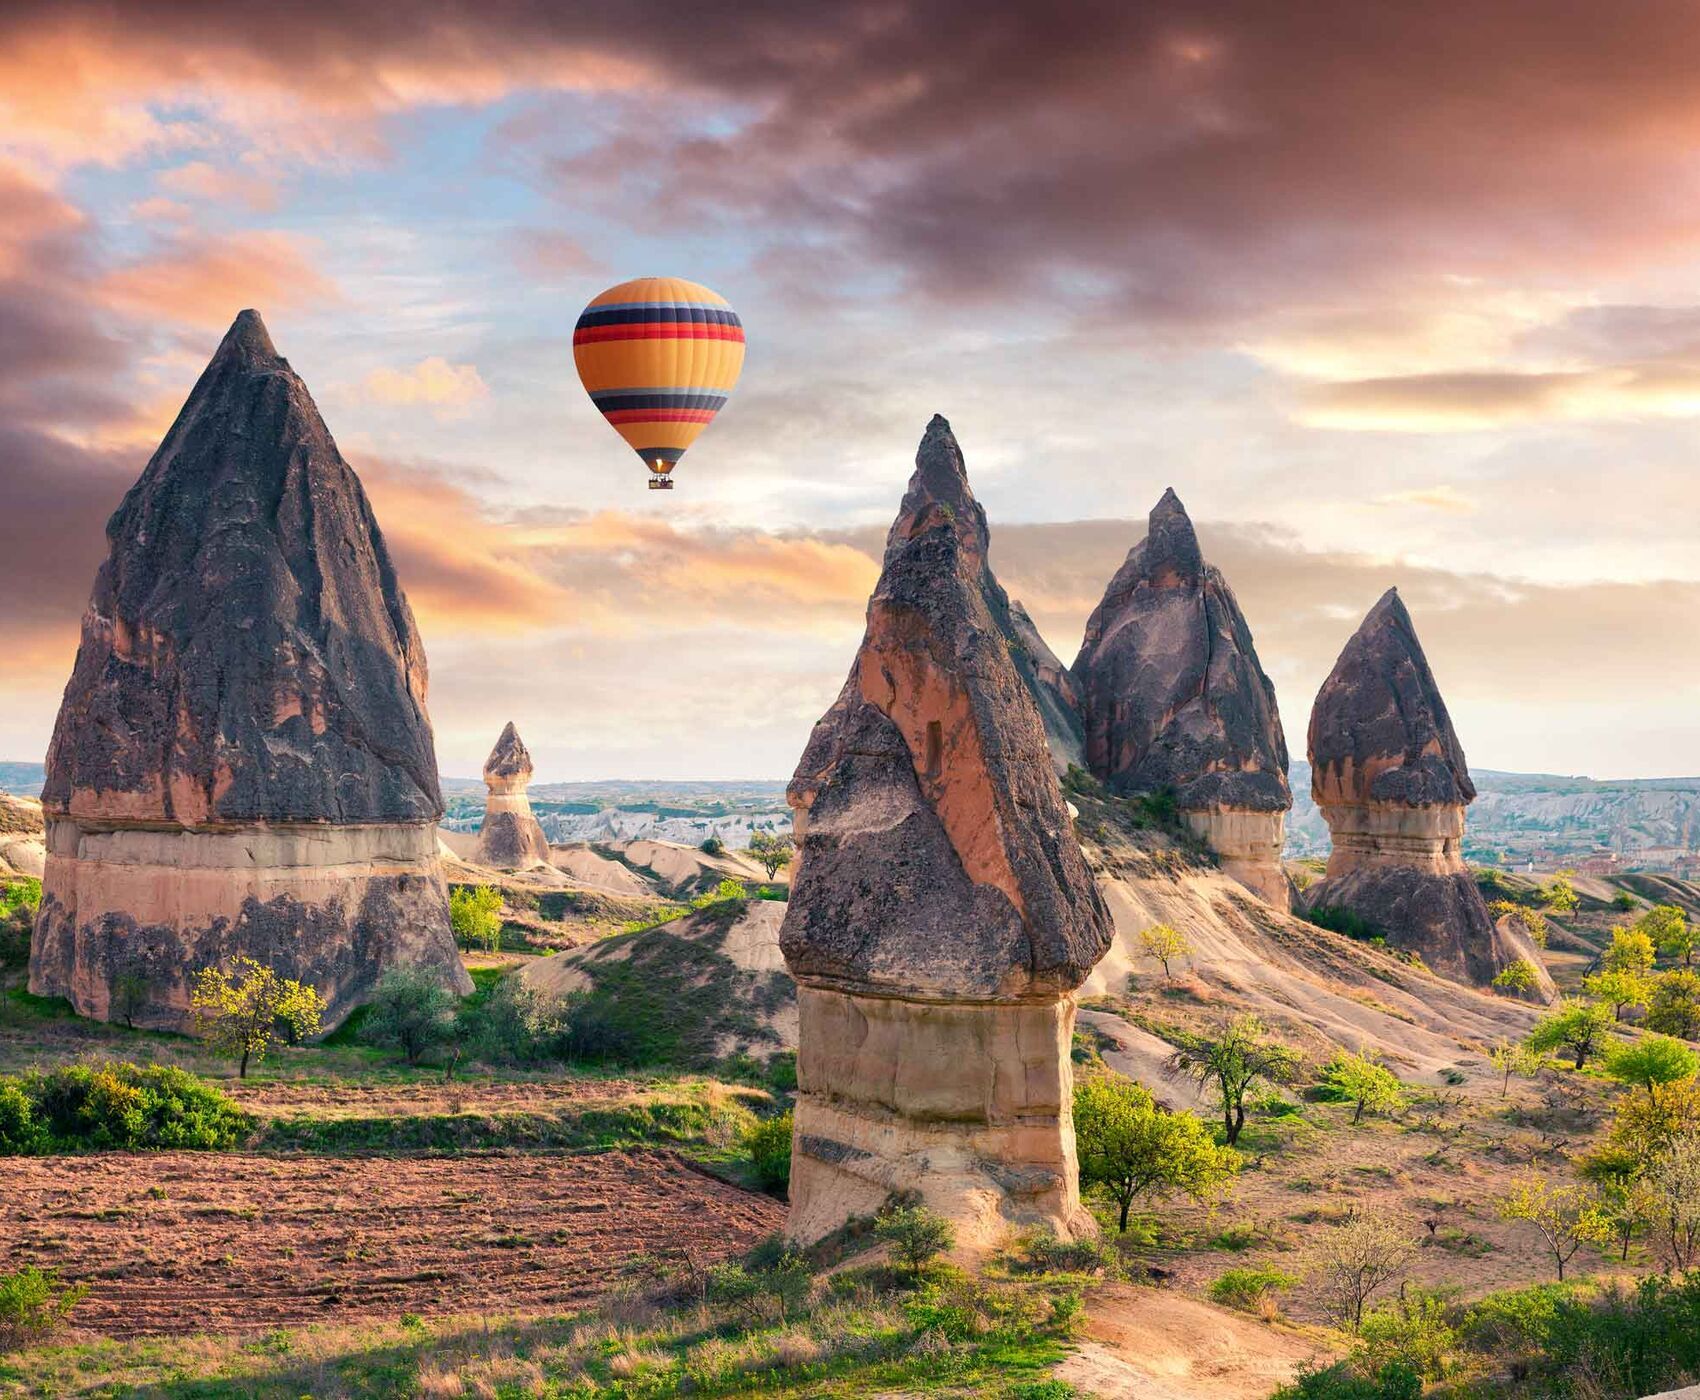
x,y
204,280
1442,497
1472,400
434,382
218,185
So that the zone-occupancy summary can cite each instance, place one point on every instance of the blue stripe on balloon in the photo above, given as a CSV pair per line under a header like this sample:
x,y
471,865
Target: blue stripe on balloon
x,y
657,398
658,313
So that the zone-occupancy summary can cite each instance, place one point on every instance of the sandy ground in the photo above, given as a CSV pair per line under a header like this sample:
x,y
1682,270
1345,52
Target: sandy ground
x,y
172,1242
1154,1344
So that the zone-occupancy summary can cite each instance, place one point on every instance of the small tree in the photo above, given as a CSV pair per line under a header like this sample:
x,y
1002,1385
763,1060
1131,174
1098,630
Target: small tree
x,y
1518,976
475,915
915,1234
1672,1187
1130,1147
1652,1063
412,1010
251,1010
768,1141
1673,1005
1231,1061
1355,1261
1575,1027
1509,1058
1567,1217
1667,925
770,851
1367,1083
1164,944
1631,950
713,846
1618,989
1560,895
1623,900
129,995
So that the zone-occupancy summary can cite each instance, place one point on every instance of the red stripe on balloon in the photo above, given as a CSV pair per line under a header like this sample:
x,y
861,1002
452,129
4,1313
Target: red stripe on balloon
x,y
660,415
658,330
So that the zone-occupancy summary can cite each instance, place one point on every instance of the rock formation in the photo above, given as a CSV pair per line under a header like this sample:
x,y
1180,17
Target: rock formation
x,y
1389,775
510,838
942,914
22,836
1046,679
242,763
1172,698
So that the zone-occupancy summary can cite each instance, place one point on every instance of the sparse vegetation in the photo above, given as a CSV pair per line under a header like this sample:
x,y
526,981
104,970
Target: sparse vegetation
x,y
1575,1027
1566,1217
412,1011
768,1141
1353,1262
1517,977
916,1235
1364,1082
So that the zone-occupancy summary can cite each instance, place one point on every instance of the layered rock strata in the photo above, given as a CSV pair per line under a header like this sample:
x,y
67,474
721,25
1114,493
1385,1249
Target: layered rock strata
x,y
510,838
942,914
242,763
1173,698
1389,774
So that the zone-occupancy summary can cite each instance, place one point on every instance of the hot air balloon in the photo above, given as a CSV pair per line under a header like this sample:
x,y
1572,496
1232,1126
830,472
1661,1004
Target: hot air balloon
x,y
658,357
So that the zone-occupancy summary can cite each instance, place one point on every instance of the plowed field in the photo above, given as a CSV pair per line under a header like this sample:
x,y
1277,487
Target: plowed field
x,y
173,1242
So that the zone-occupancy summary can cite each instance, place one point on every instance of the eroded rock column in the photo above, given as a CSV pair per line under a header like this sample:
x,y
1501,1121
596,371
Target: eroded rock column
x,y
1389,774
942,914
1172,697
510,837
243,762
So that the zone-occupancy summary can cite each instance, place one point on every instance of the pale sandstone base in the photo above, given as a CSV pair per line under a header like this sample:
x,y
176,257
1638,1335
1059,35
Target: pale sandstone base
x,y
1247,846
335,906
967,1106
1430,839
510,837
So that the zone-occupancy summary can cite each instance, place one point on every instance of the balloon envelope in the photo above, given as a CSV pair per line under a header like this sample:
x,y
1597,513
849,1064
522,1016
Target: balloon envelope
x,y
658,357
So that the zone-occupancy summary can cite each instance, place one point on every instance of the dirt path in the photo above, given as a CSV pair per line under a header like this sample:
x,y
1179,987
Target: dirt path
x,y
174,1242
1154,1344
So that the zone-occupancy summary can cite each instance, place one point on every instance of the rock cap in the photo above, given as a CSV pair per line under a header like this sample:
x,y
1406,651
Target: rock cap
x,y
1379,731
510,758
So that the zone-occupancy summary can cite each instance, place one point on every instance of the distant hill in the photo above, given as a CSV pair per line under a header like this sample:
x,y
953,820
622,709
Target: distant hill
x,y
24,779
1548,818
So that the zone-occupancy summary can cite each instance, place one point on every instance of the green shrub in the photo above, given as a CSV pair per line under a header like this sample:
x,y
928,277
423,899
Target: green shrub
x,y
33,1305
1246,1289
1516,1319
1341,1382
1041,1252
410,1010
19,900
475,916
769,1144
713,846
915,1234
1043,1390
116,1106
1338,920
1412,1331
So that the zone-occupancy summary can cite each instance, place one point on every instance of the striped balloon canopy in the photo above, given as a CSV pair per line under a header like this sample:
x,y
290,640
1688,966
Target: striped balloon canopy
x,y
658,357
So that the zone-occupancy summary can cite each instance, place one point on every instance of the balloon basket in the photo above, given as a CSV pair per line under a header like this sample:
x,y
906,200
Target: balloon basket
x,y
661,483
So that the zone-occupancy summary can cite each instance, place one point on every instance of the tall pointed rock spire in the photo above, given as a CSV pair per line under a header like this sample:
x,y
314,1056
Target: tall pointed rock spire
x,y
942,904
247,709
511,837
1173,698
1388,772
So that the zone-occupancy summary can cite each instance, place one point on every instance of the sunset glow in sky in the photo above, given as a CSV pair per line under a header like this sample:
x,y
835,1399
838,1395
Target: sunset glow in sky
x,y
1390,295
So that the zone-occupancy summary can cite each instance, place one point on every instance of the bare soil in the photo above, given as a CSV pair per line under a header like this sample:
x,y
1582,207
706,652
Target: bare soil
x,y
222,1242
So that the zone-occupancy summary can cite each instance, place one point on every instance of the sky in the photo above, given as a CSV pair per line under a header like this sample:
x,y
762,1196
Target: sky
x,y
1389,294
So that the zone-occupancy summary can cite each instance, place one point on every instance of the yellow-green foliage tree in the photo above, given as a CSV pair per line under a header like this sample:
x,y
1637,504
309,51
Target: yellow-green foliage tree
x,y
1631,950
1164,944
1131,1148
1560,895
1509,1058
475,914
1668,927
248,1011
1567,1217
1367,1083
1232,1059
1576,1027
1517,976
770,851
1618,989
1673,1006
